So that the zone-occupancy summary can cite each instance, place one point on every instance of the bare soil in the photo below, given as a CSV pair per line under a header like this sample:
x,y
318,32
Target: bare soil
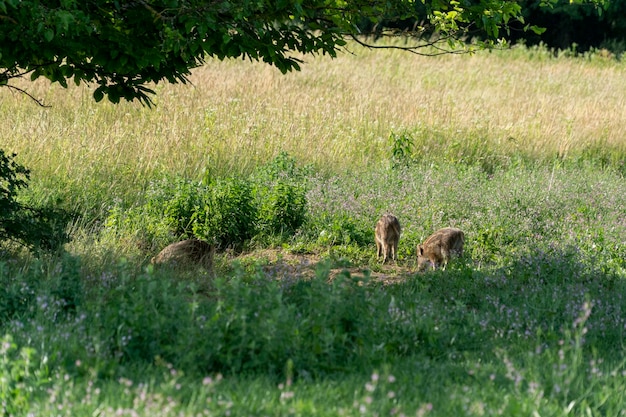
x,y
286,265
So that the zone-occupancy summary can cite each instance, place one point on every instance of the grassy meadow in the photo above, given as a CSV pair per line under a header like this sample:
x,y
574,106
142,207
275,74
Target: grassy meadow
x,y
523,149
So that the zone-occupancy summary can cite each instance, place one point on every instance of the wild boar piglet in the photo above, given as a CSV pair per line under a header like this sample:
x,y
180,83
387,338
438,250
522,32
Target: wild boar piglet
x,y
439,247
387,234
186,253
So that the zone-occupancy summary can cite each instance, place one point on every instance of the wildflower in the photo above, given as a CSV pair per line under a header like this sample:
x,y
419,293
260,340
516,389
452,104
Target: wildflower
x,y
424,409
125,381
586,312
533,387
286,395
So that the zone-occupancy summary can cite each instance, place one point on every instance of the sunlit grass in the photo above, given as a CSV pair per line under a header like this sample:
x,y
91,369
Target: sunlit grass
x,y
336,114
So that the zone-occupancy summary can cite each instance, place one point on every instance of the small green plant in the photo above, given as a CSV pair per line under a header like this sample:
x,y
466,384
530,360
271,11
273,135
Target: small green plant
x,y
401,149
341,229
18,377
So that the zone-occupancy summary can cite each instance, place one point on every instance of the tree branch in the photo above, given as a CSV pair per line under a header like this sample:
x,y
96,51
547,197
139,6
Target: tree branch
x,y
414,49
21,90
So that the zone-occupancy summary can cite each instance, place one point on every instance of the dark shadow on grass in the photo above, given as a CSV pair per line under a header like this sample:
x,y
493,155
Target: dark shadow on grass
x,y
530,301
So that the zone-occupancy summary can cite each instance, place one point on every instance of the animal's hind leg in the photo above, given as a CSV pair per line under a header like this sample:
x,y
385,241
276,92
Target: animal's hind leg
x,y
445,254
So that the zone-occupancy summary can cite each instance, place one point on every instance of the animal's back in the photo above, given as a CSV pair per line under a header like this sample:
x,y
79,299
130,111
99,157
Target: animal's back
x,y
450,238
388,228
190,251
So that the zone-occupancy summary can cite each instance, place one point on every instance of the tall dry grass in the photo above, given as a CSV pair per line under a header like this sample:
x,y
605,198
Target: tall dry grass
x,y
335,113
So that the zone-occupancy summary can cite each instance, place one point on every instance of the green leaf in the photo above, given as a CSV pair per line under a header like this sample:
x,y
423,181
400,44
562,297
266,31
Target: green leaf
x,y
537,29
98,95
65,20
48,35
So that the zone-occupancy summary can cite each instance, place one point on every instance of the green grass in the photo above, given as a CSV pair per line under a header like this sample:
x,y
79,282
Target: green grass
x,y
521,150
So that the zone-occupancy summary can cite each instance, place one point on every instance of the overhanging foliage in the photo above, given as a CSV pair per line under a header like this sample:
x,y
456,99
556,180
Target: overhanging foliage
x,y
121,46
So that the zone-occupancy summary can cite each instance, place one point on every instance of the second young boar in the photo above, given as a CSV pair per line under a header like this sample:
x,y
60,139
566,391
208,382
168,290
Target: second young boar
x,y
186,253
387,236
439,247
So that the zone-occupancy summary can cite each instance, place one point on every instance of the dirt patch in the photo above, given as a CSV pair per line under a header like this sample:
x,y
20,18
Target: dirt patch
x,y
284,265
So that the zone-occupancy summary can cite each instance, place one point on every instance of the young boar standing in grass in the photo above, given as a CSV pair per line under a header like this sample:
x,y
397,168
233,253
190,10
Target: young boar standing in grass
x,y
185,253
387,236
438,247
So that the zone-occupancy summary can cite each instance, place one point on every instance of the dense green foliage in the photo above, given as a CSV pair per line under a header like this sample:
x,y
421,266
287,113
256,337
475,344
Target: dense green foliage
x,y
227,214
576,26
225,211
35,227
280,194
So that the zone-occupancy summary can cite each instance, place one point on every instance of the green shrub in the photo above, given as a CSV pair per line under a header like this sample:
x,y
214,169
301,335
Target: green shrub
x,y
19,375
224,211
227,215
282,207
280,193
164,216
39,228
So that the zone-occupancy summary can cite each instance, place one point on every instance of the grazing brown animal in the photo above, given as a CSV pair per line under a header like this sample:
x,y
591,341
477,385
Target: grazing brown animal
x,y
387,236
185,253
439,247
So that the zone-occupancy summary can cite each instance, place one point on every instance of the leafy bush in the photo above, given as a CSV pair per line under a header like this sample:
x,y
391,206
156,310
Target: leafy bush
x,y
19,376
40,228
227,215
280,193
164,216
224,211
